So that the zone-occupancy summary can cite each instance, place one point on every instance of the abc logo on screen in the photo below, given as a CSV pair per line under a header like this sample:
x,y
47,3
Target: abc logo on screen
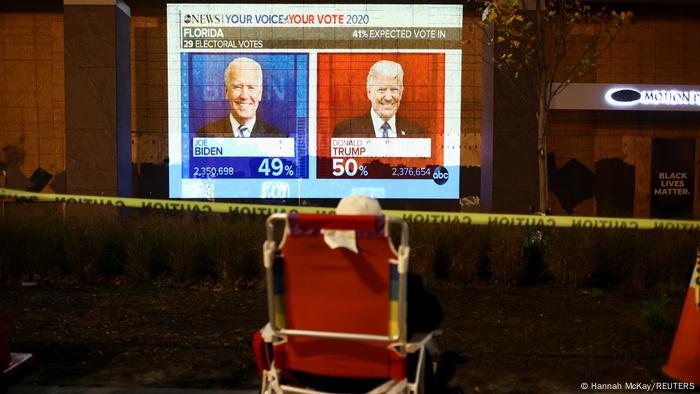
x,y
440,175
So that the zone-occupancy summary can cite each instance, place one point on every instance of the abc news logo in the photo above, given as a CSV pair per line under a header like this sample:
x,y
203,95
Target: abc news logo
x,y
441,175
202,18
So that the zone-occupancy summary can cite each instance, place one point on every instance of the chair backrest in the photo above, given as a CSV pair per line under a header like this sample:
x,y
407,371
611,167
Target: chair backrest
x,y
339,310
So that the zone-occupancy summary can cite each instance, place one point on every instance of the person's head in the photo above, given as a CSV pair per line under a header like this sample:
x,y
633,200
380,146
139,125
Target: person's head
x,y
358,204
384,88
243,81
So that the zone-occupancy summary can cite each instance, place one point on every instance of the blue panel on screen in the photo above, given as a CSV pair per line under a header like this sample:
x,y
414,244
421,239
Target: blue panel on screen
x,y
185,136
284,102
281,89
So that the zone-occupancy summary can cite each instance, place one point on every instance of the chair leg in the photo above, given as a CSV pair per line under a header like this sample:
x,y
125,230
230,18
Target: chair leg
x,y
265,384
270,381
425,373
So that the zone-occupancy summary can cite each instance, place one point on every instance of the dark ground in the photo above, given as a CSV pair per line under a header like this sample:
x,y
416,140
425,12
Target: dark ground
x,y
521,340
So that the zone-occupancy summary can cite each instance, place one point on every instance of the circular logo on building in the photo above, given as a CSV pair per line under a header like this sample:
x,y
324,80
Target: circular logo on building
x,y
622,96
187,18
626,95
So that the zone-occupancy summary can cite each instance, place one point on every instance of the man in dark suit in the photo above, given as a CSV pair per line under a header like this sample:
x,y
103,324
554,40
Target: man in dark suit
x,y
384,90
243,82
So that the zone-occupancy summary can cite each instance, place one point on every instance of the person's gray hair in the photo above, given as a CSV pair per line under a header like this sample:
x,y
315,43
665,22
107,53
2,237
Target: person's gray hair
x,y
242,63
385,68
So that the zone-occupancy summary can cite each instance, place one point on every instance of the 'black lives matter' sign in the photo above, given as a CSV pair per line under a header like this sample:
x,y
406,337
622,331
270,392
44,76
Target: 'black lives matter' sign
x,y
672,164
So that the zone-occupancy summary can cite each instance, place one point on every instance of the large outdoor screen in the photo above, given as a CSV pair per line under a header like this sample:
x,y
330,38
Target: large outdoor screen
x,y
314,101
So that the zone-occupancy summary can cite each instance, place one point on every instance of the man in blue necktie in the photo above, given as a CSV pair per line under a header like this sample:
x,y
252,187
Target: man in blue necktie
x,y
243,84
384,91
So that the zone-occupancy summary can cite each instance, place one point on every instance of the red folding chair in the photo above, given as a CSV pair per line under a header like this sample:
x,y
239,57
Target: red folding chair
x,y
334,313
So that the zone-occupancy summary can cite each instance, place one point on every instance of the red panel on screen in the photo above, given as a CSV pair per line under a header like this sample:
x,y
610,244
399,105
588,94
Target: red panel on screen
x,y
342,94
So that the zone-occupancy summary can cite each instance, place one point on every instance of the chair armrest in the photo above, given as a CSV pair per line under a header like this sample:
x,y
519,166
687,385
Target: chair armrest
x,y
418,341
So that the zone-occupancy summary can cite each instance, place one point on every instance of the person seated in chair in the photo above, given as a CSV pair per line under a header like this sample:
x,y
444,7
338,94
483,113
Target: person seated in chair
x,y
424,315
424,311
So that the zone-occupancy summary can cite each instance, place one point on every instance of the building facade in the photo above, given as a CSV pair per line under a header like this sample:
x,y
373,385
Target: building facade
x,y
604,162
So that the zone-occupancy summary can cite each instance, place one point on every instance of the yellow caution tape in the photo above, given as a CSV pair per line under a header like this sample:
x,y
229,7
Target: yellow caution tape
x,y
167,205
409,216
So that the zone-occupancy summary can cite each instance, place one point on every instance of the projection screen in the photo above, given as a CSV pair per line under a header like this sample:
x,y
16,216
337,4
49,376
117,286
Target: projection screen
x,y
314,101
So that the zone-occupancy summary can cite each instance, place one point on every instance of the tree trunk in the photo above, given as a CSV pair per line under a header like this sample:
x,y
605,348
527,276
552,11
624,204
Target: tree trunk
x,y
542,150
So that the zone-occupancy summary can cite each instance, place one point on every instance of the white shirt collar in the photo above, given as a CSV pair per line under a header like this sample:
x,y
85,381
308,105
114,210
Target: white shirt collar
x,y
235,125
377,122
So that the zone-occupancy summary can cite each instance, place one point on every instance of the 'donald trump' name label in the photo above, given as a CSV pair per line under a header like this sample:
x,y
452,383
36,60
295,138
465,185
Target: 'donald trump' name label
x,y
243,147
380,147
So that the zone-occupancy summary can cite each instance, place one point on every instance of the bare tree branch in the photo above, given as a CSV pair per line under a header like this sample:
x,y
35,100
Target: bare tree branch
x,y
540,42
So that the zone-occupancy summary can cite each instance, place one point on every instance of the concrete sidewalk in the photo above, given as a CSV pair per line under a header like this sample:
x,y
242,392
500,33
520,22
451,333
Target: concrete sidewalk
x,y
116,390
